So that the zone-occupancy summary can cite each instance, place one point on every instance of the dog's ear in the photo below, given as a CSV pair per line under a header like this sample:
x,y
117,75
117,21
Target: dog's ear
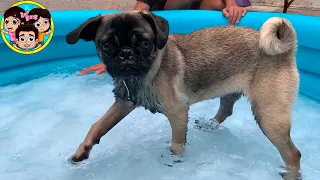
x,y
86,31
160,27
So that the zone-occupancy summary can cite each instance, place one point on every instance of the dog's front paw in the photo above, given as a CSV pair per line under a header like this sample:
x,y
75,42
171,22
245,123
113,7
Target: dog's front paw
x,y
177,149
290,174
81,154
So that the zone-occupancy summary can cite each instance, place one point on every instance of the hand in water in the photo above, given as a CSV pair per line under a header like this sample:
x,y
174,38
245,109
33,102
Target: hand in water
x,y
234,13
98,68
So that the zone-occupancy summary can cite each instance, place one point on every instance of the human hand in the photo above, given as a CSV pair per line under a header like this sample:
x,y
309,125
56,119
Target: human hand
x,y
98,68
234,13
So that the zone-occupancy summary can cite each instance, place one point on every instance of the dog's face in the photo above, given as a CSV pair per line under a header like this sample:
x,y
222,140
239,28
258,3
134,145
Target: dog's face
x,y
126,42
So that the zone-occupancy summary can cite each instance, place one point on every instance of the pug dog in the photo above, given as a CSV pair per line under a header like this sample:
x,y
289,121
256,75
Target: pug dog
x,y
168,73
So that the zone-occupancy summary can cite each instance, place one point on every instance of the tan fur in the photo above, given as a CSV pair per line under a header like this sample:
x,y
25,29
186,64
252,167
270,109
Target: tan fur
x,y
270,43
226,62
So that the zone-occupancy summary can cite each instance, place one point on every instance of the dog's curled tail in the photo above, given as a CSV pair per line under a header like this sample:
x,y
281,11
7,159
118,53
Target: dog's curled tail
x,y
277,36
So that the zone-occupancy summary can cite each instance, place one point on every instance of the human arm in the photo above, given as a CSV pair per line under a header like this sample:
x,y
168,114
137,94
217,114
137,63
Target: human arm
x,y
141,5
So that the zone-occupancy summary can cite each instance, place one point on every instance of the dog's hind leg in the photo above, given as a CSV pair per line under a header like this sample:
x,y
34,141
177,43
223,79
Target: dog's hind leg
x,y
225,110
272,102
226,106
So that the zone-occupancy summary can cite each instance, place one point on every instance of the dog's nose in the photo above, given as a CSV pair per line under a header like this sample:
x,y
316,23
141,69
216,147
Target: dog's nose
x,y
126,53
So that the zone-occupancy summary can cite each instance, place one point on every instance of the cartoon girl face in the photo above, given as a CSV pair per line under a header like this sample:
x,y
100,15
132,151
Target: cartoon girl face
x,y
43,20
12,18
11,23
42,24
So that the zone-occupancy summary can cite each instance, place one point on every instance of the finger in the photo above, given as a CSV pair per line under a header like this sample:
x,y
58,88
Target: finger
x,y
244,12
87,70
235,15
225,12
101,71
90,69
239,13
231,16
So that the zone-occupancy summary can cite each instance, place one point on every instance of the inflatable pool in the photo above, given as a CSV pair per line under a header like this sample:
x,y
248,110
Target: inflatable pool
x,y
46,111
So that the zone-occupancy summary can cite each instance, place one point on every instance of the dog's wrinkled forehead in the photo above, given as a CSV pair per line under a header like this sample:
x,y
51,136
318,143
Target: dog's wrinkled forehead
x,y
126,25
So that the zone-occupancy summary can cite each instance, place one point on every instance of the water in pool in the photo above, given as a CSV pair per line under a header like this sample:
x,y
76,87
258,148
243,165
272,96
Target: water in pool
x,y
44,120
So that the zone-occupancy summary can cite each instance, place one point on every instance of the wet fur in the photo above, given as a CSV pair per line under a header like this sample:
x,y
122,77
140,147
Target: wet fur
x,y
225,62
139,91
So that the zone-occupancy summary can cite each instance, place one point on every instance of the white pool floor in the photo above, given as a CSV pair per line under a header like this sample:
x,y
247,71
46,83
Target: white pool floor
x,y
43,121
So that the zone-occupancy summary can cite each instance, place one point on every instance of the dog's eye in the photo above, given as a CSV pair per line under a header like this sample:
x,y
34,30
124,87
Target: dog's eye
x,y
145,44
105,46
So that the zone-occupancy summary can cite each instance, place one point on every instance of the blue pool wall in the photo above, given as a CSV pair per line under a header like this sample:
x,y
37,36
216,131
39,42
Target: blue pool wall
x,y
181,21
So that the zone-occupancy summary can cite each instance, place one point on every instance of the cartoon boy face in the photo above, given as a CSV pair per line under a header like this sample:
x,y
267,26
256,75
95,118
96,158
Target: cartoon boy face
x,y
42,24
27,40
11,23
